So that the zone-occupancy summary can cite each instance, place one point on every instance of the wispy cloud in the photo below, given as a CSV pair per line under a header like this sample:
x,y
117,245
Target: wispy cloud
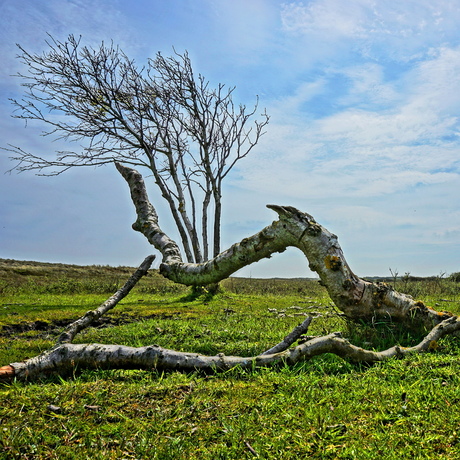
x,y
364,99
370,139
384,29
29,23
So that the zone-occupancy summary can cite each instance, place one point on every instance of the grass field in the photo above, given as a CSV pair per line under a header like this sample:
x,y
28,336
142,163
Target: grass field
x,y
325,408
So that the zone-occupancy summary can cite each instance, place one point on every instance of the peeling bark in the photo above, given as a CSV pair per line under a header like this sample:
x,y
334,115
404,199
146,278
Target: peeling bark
x,y
66,358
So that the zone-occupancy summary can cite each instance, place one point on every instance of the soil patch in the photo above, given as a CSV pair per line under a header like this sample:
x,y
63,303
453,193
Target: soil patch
x,y
57,326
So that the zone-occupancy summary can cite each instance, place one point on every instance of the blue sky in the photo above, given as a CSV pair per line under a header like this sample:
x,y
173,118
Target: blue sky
x,y
364,99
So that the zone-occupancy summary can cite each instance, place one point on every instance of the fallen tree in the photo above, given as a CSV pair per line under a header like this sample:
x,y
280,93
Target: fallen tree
x,y
66,358
356,298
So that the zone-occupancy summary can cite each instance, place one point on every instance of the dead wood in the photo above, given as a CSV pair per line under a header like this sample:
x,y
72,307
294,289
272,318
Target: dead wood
x,y
82,323
66,358
356,298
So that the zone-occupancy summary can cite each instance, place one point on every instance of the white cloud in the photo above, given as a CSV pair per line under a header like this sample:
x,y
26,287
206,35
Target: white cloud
x,y
377,168
364,98
329,19
385,29
368,87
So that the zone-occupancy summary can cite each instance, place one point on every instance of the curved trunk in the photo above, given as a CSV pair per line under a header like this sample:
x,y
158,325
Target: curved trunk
x,y
356,298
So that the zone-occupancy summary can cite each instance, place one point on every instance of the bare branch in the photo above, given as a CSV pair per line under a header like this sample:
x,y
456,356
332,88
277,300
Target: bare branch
x,y
162,117
66,358
77,326
290,338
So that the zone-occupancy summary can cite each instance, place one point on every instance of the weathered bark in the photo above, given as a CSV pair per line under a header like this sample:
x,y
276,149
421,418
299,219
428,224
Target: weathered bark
x,y
356,298
147,218
66,358
73,329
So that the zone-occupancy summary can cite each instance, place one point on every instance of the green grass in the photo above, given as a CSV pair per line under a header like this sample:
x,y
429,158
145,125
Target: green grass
x,y
325,408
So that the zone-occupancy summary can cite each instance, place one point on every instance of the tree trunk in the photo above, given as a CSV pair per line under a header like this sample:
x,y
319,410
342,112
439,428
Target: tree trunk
x,y
204,223
217,224
356,298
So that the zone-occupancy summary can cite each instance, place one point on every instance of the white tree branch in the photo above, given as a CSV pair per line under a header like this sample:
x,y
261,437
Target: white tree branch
x,y
147,218
82,323
66,358
290,338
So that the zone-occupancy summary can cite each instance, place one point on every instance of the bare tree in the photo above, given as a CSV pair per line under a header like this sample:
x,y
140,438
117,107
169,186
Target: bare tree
x,y
161,117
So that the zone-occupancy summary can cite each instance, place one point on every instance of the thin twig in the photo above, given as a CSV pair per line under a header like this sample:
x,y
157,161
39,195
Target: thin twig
x,y
251,449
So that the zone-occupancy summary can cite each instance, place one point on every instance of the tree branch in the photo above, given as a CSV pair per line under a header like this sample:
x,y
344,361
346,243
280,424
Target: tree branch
x,y
73,329
66,358
290,338
147,218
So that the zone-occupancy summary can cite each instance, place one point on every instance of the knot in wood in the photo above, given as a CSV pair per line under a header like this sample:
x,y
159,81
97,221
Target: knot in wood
x,y
347,284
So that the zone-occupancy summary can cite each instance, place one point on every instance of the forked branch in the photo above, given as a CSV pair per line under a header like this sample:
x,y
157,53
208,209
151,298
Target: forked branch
x,y
66,358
